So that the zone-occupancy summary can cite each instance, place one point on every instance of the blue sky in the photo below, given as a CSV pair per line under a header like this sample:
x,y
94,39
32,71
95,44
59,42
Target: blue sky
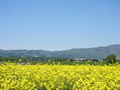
x,y
58,24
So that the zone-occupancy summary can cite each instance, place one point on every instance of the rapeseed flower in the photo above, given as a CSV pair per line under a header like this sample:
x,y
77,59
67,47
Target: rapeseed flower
x,y
59,77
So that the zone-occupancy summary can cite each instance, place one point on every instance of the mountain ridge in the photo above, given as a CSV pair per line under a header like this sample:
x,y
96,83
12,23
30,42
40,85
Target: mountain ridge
x,y
95,52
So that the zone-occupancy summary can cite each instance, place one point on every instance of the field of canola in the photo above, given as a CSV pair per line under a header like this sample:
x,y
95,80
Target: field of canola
x,y
59,77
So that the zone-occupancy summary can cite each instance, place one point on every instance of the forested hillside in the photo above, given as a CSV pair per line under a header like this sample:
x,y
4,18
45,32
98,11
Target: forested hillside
x,y
98,52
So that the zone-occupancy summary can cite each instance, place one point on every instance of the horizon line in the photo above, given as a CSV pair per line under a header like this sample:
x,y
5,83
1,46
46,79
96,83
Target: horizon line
x,y
59,50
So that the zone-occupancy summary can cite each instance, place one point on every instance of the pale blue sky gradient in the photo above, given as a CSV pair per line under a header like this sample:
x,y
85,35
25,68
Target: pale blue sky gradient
x,y
58,24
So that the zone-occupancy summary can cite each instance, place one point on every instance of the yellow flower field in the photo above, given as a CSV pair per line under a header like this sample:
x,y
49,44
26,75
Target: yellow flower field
x,y
59,77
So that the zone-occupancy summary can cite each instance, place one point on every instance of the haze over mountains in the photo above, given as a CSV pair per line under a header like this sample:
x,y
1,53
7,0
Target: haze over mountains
x,y
91,53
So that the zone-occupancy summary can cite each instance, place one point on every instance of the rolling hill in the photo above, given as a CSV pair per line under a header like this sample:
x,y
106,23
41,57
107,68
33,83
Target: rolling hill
x,y
91,53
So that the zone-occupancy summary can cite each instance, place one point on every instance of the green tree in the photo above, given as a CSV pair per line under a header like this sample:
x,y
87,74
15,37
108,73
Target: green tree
x,y
111,58
24,60
16,59
71,59
5,59
1,59
12,59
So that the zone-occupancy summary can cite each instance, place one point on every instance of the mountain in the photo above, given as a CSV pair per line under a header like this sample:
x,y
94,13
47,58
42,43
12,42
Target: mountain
x,y
91,53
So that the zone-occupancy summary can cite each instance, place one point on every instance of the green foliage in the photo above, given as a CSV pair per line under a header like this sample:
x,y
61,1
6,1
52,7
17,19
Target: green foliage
x,y
5,59
29,58
111,58
16,59
24,59
59,59
12,59
71,59
1,59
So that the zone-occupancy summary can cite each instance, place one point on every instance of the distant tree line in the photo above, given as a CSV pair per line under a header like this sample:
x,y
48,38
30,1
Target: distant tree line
x,y
30,58
12,59
60,59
